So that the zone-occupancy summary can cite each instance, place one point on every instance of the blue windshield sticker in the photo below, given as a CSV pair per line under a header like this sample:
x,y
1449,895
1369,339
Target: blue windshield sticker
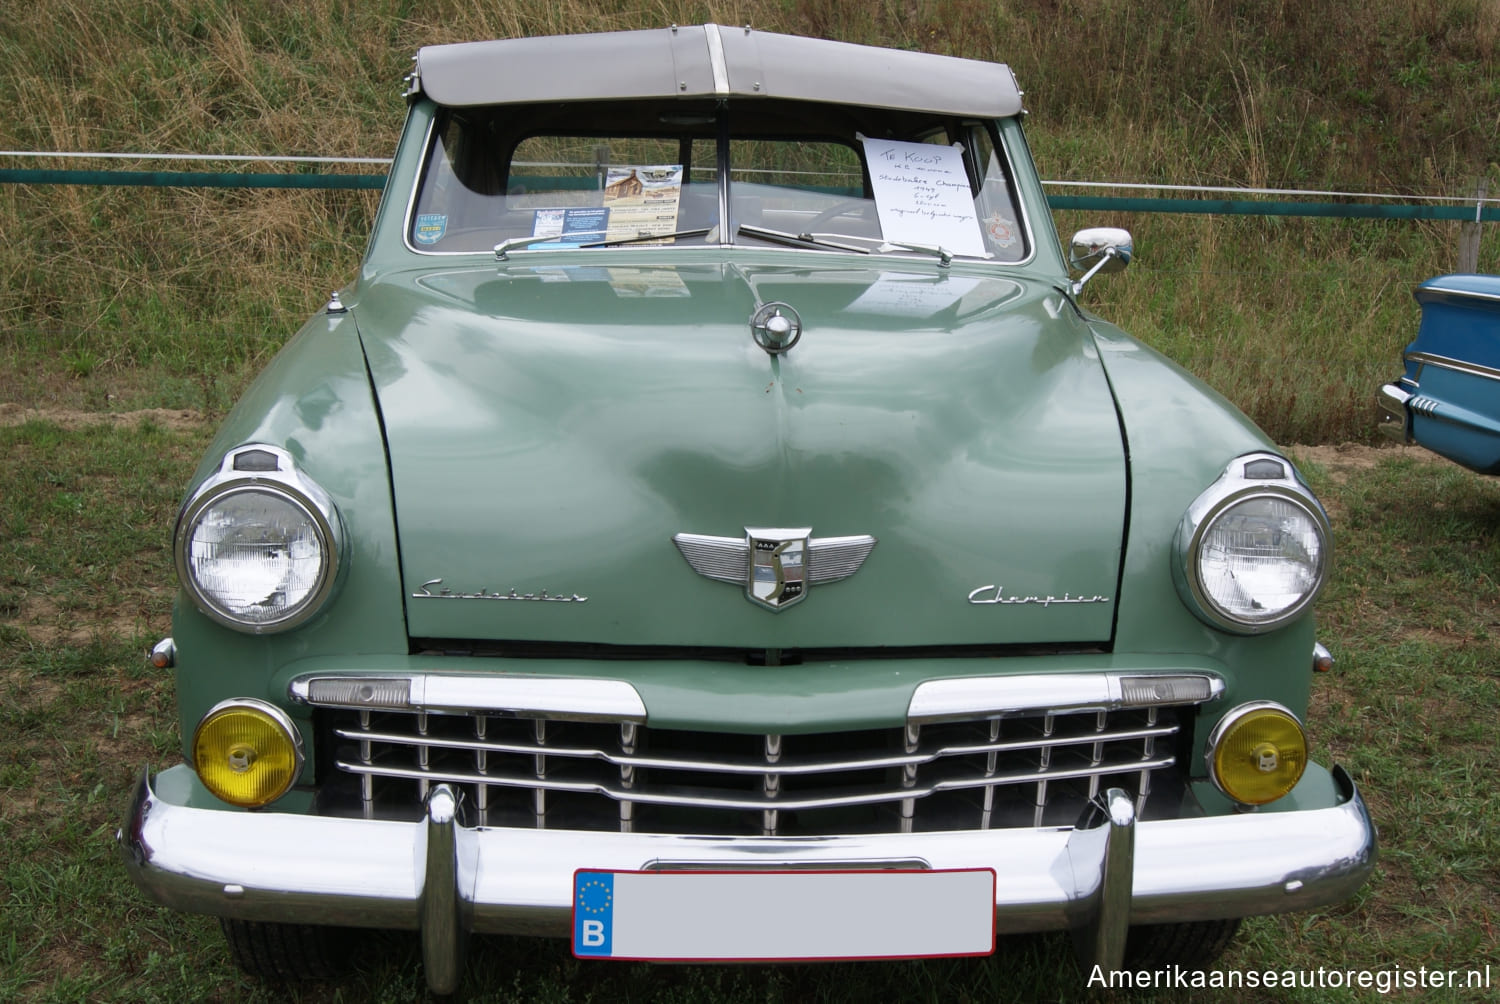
x,y
571,227
430,228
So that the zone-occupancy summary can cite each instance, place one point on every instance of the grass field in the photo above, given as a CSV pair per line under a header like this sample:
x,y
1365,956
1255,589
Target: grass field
x,y
1297,321
85,589
130,320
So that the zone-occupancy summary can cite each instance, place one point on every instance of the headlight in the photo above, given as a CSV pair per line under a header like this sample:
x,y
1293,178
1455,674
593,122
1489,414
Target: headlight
x,y
1257,753
1252,551
258,544
247,752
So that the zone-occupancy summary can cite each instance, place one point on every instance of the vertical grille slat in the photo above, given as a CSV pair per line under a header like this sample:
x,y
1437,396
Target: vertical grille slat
x,y
424,756
481,767
1020,769
1147,752
539,793
771,786
911,743
627,775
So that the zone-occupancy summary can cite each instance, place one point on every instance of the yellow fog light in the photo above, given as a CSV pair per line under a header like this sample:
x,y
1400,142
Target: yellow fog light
x,y
1257,753
247,752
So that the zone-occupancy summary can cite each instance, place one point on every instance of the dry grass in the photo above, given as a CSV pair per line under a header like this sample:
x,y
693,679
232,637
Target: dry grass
x,y
1294,320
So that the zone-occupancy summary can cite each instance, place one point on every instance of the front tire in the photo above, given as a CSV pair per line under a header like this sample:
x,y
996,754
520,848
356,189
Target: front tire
x,y
1194,945
287,953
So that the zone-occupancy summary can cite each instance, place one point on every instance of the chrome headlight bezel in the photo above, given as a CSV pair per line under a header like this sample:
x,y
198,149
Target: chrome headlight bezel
x,y
1247,478
270,471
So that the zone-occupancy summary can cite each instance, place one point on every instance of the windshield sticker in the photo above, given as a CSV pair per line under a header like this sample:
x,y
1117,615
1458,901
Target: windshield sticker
x,y
571,227
1002,232
642,201
922,195
430,228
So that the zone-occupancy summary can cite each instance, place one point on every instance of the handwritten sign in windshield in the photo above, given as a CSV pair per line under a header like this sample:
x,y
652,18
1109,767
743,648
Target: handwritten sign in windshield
x,y
922,194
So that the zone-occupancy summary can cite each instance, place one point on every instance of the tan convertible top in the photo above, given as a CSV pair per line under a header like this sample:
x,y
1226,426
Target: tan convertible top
x,y
711,61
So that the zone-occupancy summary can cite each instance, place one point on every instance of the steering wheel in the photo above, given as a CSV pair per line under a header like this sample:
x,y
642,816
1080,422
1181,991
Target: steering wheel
x,y
849,207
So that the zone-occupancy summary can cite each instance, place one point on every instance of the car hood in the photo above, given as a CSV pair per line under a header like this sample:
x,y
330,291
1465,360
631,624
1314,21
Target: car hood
x,y
552,428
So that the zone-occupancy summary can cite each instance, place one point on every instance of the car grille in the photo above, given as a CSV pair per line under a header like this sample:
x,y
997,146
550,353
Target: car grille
x,y
1020,770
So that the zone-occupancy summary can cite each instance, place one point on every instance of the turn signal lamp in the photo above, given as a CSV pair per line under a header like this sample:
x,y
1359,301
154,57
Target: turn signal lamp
x,y
1257,752
247,752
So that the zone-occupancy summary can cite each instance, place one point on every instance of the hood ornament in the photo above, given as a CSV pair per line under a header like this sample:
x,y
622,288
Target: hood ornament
x,y
776,327
776,565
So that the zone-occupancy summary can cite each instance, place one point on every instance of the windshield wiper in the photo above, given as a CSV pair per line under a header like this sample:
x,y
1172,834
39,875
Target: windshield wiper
x,y
515,243
512,243
644,237
942,254
801,240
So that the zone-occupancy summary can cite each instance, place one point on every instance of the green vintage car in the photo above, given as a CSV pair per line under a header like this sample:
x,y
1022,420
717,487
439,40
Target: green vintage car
x,y
711,527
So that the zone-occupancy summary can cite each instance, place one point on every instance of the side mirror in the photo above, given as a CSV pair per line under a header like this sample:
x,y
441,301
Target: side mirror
x,y
1099,249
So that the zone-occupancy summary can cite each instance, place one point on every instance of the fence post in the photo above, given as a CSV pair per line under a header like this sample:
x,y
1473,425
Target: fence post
x,y
1468,232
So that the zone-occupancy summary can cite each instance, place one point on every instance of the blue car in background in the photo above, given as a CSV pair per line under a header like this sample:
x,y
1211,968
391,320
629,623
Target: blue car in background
x,y
1448,400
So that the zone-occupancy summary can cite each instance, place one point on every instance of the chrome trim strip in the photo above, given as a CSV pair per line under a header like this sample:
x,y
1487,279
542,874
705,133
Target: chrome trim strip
x,y
972,697
574,698
371,872
1456,365
716,62
416,189
1422,293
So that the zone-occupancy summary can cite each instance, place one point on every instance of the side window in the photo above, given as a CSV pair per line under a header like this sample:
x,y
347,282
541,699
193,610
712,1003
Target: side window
x,y
995,202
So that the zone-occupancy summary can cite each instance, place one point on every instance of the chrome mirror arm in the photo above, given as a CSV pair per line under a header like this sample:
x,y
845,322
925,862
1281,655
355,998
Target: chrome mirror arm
x,y
1109,254
1099,249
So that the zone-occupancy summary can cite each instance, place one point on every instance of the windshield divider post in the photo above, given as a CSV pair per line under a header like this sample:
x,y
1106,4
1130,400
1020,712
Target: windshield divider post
x,y
721,153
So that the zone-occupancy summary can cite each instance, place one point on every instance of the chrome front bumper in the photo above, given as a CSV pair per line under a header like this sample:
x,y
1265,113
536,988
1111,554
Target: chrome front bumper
x,y
447,879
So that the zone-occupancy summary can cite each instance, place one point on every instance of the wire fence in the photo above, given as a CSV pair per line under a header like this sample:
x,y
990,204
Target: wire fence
x,y
1245,201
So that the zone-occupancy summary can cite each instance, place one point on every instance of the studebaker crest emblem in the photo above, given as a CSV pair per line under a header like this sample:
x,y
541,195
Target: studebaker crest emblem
x,y
777,566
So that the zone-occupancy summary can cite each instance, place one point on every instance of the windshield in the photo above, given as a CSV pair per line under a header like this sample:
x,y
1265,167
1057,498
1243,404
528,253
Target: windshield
x,y
664,173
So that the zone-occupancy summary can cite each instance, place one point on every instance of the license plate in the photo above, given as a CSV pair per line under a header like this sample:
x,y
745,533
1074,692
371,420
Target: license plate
x,y
707,916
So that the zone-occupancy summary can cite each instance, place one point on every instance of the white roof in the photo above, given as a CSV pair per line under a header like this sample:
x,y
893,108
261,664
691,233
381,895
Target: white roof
x,y
709,61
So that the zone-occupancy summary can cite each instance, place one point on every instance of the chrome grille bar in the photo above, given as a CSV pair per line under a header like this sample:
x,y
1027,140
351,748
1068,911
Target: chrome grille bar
x,y
708,799
997,768
802,766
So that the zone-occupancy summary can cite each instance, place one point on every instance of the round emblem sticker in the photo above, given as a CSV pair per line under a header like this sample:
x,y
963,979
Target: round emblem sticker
x,y
1002,231
430,228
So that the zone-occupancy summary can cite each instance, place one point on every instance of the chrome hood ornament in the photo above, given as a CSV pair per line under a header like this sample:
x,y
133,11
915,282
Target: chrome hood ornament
x,y
776,565
776,327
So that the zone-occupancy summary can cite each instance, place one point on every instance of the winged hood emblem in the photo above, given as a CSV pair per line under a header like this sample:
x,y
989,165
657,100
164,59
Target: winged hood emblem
x,y
776,565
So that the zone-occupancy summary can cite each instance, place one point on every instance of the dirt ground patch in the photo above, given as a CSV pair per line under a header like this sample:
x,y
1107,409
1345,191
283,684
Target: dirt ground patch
x,y
1343,459
175,419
